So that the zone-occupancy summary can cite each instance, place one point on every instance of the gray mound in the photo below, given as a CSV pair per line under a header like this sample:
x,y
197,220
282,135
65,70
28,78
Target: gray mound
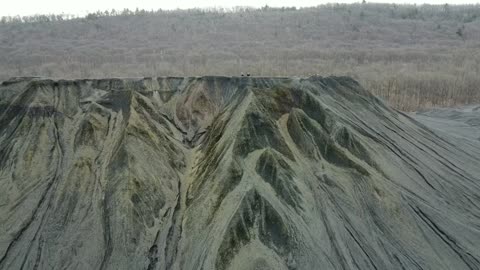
x,y
462,122
228,173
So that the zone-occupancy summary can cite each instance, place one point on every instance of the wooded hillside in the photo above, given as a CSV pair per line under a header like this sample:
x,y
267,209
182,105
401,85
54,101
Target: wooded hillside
x,y
413,56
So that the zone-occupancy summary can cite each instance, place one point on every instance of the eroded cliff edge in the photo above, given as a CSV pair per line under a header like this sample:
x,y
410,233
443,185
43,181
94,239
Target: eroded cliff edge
x,y
228,173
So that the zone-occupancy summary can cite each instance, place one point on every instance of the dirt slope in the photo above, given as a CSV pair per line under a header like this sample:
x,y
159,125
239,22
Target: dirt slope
x,y
228,173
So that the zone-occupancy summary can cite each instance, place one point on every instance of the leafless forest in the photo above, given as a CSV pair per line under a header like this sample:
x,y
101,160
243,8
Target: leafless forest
x,y
412,56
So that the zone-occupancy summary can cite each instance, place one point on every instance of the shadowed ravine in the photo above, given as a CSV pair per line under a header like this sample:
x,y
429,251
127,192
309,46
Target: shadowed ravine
x,y
229,173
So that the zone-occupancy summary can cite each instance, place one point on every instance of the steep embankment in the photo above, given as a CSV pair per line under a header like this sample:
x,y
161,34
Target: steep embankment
x,y
228,173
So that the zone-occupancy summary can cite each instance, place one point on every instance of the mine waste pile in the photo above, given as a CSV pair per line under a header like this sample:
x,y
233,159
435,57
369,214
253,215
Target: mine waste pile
x,y
229,173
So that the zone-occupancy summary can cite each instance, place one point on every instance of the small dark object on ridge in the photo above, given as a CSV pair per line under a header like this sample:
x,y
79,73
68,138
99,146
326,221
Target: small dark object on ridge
x,y
248,74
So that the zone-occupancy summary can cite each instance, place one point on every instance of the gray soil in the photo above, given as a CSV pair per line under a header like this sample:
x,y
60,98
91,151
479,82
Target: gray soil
x,y
461,122
232,173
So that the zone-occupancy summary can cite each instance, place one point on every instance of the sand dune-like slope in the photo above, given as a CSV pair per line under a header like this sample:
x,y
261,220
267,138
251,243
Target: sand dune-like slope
x,y
228,173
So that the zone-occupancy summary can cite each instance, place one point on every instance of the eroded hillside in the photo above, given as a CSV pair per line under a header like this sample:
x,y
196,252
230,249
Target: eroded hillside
x,y
228,173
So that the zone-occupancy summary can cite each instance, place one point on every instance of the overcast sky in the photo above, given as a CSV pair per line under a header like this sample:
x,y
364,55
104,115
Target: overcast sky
x,y
81,7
